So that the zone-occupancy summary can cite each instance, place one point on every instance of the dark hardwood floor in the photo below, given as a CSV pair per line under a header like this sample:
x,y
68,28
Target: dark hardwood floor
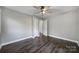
x,y
44,44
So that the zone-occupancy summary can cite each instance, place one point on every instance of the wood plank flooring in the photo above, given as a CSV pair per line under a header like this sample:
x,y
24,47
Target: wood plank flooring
x,y
45,44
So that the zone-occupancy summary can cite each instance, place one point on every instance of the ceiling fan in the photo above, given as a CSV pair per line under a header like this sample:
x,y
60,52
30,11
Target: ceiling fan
x,y
44,11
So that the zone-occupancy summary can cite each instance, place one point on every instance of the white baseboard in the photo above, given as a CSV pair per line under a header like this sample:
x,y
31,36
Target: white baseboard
x,y
33,37
65,39
15,41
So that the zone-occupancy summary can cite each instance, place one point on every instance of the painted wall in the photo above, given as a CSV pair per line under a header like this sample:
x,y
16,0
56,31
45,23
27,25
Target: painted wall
x,y
0,25
77,23
45,27
15,25
63,25
35,26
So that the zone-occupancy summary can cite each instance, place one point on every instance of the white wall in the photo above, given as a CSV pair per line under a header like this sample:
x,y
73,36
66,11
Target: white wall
x,y
35,26
15,25
0,19
45,27
63,25
77,23
0,25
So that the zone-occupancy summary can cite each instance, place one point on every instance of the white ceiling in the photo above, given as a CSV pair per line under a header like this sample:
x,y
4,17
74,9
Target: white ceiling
x,y
30,10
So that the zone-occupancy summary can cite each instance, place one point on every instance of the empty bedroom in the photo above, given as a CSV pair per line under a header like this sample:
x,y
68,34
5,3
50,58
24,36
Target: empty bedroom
x,y
39,29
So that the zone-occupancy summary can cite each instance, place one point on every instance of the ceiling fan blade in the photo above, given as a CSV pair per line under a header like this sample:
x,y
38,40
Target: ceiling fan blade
x,y
53,11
